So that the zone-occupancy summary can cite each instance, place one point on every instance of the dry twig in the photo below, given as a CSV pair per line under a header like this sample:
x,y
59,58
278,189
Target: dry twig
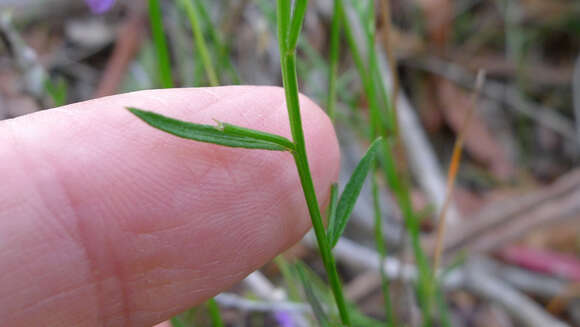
x,y
452,173
503,222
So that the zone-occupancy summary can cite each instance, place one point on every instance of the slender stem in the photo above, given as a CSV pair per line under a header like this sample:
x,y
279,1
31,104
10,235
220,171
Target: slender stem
x,y
301,159
161,50
452,172
223,48
388,45
200,42
380,245
334,54
290,81
374,88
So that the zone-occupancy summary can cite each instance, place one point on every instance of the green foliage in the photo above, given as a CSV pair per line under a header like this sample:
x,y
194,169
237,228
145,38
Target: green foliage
x,y
57,89
350,194
222,134
161,49
333,58
319,313
289,18
214,313
331,214
192,14
176,322
296,24
382,123
223,51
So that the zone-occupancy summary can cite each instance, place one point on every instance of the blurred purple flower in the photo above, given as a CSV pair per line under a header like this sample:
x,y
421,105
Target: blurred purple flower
x,y
284,319
100,6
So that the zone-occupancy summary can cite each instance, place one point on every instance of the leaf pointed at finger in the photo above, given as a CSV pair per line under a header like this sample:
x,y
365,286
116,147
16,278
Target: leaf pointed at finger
x,y
223,134
350,194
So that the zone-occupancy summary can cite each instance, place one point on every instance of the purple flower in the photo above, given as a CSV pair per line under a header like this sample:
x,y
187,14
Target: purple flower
x,y
100,6
284,319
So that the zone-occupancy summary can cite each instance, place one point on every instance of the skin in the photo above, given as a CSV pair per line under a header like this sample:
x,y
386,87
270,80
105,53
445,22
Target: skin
x,y
105,221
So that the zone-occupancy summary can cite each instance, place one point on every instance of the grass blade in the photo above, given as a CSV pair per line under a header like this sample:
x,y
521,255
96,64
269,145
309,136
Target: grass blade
x,y
223,50
381,249
319,313
201,45
223,134
333,58
351,193
161,50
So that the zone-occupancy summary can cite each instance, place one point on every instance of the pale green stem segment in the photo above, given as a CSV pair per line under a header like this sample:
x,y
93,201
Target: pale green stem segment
x,y
200,43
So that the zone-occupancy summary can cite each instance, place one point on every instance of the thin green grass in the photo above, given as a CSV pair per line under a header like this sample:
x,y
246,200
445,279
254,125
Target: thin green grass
x,y
333,59
383,124
201,45
161,49
221,47
381,249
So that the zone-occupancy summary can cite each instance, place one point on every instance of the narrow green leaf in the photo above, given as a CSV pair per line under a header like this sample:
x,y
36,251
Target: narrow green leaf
x,y
223,134
331,216
351,193
315,304
296,23
242,131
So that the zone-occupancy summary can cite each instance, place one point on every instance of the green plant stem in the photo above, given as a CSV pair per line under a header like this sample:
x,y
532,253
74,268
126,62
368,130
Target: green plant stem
x,y
374,86
333,58
296,23
380,245
214,313
301,159
218,40
161,50
290,81
200,41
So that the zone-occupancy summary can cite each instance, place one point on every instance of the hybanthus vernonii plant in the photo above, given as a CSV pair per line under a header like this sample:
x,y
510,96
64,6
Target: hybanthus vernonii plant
x,y
100,6
340,208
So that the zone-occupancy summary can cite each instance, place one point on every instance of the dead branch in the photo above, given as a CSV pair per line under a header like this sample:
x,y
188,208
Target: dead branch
x,y
503,222
501,93
479,281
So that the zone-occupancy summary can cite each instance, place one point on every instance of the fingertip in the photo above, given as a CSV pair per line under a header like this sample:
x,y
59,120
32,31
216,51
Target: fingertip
x,y
168,222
